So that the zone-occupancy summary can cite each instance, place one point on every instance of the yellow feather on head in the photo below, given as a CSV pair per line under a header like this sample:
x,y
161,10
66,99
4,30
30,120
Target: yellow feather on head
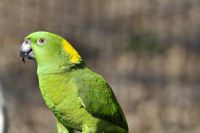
x,y
74,56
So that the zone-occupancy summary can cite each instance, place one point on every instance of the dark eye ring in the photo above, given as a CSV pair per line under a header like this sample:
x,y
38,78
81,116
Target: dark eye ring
x,y
41,41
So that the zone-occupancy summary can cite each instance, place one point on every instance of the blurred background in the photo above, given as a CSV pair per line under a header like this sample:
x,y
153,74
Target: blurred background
x,y
148,50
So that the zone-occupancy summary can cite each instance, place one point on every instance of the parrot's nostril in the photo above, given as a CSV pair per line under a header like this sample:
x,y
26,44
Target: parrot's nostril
x,y
27,41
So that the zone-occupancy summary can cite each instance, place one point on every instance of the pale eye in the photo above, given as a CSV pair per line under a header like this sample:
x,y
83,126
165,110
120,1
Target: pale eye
x,y
41,41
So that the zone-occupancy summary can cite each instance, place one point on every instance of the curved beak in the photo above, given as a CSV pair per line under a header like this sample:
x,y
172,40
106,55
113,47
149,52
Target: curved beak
x,y
26,51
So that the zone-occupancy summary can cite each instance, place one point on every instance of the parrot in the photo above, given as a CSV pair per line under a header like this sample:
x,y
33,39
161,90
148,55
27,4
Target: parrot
x,y
80,99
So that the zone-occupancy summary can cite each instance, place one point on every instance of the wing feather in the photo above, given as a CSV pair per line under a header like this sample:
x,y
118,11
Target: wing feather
x,y
99,98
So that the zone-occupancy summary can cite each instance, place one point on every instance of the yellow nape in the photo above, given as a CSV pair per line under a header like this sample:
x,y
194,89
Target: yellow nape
x,y
74,56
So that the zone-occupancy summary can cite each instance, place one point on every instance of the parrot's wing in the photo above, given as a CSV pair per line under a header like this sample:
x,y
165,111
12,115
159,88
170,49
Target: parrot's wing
x,y
99,99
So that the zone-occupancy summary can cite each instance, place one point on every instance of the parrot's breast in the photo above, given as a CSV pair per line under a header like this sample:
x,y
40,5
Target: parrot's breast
x,y
60,95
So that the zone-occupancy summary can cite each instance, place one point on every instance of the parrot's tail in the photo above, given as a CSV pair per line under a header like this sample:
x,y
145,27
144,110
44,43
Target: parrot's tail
x,y
107,127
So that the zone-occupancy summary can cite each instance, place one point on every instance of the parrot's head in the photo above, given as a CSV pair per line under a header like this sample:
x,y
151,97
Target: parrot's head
x,y
48,48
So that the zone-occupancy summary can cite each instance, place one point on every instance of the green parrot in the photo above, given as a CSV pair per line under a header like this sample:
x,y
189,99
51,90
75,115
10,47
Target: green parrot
x,y
79,98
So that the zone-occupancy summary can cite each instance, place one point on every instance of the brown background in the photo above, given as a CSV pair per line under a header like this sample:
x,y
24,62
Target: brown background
x,y
148,50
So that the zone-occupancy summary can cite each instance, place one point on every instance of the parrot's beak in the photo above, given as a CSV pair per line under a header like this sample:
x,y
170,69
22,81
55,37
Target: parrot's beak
x,y
26,51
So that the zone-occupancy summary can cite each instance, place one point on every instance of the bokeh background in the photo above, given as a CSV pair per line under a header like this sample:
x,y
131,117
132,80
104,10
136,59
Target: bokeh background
x,y
148,50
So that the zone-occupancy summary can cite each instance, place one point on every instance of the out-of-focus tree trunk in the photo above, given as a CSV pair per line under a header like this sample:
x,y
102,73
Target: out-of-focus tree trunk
x,y
2,117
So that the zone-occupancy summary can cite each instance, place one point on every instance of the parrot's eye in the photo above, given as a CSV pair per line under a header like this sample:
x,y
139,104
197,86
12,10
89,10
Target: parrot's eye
x,y
41,41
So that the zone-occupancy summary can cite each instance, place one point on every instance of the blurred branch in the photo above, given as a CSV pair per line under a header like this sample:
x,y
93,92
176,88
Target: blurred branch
x,y
2,117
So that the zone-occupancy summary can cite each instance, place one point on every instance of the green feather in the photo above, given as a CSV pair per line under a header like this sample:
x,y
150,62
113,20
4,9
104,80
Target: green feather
x,y
98,97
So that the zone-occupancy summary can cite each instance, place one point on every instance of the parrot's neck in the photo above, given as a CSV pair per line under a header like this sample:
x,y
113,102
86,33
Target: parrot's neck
x,y
51,81
51,87
58,68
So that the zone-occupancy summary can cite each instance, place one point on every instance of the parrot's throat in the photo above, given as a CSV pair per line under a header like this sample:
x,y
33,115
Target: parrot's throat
x,y
59,68
51,86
